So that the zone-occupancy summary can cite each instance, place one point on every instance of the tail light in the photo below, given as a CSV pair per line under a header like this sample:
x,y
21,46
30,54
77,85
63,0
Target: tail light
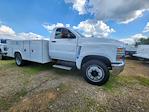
x,y
120,54
120,57
120,50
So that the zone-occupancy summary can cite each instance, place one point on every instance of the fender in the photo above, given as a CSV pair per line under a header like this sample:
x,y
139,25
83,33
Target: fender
x,y
14,52
84,58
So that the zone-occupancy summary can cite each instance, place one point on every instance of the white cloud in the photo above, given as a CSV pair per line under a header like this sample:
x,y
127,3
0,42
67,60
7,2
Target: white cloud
x,y
68,25
23,36
88,28
94,28
146,29
133,39
120,10
6,30
8,33
52,26
135,15
30,35
78,5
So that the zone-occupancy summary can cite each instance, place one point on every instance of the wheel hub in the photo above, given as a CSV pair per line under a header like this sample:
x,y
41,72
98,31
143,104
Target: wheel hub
x,y
95,73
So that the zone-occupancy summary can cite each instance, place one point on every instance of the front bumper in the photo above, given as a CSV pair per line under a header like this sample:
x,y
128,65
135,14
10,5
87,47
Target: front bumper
x,y
117,68
130,53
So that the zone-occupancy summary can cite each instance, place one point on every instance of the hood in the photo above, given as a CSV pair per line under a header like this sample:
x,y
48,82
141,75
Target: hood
x,y
91,40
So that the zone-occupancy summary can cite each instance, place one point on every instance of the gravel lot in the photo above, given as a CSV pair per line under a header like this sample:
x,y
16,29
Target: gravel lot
x,y
36,88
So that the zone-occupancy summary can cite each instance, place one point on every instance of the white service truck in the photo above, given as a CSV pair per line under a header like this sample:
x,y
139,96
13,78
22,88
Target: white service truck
x,y
142,52
131,50
3,49
95,57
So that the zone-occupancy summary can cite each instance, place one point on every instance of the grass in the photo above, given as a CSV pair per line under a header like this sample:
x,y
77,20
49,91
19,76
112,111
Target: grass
x,y
116,82
63,88
6,103
143,80
9,66
30,69
88,105
92,105
35,68
113,83
8,63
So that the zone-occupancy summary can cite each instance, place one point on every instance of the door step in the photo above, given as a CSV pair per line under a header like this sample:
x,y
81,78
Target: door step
x,y
62,67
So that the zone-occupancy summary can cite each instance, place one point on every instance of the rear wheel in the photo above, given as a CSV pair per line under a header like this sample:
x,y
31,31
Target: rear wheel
x,y
18,59
95,72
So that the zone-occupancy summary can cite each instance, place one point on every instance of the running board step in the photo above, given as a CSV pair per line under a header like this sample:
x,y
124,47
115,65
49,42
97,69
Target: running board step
x,y
62,67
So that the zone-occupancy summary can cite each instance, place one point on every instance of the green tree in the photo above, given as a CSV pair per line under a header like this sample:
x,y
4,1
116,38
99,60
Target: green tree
x,y
143,41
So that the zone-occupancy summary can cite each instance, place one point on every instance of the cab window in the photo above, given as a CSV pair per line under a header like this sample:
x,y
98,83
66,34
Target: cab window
x,y
63,33
58,33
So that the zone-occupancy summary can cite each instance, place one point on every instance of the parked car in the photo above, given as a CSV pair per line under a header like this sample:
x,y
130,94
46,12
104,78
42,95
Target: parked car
x,y
142,52
95,57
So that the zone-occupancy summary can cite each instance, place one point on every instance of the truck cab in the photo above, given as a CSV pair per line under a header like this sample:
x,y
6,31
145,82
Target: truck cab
x,y
93,56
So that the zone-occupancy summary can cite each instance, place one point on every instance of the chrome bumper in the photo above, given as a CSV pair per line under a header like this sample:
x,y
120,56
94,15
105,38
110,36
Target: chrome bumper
x,y
117,68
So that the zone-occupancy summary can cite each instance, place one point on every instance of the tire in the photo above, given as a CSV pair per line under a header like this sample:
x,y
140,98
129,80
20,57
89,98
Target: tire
x,y
18,59
95,72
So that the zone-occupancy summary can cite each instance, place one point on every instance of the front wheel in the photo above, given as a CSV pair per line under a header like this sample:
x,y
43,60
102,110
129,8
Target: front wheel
x,y
95,72
18,59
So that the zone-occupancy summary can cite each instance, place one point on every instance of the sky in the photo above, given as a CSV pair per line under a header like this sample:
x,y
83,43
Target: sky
x,y
117,19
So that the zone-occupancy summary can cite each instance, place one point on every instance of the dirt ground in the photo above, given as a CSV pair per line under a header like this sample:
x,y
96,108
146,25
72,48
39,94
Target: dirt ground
x,y
41,88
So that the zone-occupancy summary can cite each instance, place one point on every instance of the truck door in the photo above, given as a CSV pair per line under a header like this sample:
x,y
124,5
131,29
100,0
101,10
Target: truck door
x,y
63,46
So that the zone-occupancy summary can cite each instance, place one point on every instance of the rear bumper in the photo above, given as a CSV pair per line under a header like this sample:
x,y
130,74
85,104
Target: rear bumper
x,y
117,68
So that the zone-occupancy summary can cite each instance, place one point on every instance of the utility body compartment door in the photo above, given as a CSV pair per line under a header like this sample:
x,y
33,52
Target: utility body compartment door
x,y
26,50
36,51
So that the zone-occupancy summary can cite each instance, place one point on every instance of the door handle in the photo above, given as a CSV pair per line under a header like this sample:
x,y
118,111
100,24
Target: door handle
x,y
54,41
25,50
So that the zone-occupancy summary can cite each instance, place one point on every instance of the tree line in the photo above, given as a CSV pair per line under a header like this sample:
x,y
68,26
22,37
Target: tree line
x,y
143,41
